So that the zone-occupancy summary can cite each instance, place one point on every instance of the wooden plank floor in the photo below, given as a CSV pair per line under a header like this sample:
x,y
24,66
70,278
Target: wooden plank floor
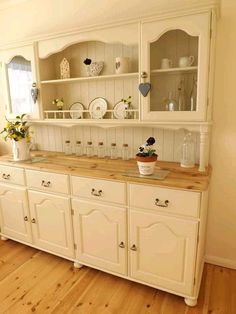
x,y
34,281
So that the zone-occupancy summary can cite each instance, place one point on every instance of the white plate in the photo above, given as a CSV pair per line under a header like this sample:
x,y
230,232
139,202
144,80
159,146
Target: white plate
x,y
98,108
76,106
120,110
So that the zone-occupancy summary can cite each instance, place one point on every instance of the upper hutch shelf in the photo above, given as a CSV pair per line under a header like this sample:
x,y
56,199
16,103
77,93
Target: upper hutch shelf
x,y
92,78
175,70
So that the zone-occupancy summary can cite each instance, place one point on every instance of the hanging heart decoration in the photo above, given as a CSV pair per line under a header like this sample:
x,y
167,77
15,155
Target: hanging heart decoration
x,y
144,88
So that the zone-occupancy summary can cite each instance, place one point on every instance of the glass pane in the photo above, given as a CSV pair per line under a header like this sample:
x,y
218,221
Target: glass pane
x,y
174,67
20,83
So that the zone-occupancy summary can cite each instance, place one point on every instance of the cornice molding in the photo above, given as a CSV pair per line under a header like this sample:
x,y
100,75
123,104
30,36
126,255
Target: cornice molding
x,y
164,13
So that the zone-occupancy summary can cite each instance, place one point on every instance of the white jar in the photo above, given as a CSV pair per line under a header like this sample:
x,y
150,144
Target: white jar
x,y
122,65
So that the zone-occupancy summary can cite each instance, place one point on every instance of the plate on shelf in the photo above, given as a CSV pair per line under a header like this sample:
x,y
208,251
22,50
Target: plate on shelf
x,y
76,106
120,110
98,108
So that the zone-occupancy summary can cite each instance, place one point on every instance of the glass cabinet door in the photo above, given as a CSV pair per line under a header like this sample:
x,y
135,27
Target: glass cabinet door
x,y
20,80
19,74
175,60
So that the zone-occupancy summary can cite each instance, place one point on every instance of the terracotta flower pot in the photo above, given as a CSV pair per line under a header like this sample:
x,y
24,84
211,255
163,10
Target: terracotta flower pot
x,y
146,165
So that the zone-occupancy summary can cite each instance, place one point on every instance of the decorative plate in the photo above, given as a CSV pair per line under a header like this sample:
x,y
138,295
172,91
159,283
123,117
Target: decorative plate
x,y
98,108
120,110
76,106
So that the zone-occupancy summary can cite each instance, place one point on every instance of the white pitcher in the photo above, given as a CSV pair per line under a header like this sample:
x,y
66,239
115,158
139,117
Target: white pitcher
x,y
21,150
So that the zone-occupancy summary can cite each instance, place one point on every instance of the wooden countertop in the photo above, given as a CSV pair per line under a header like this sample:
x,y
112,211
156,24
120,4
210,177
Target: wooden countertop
x,y
180,178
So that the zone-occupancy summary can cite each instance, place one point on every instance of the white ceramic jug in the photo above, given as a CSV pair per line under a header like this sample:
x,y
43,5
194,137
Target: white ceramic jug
x,y
186,61
21,150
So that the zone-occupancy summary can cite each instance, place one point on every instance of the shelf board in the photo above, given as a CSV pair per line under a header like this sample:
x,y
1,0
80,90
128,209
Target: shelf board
x,y
92,78
175,70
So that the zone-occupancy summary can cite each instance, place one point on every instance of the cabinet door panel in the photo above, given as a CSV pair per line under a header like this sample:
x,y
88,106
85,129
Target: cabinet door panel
x,y
175,56
19,72
51,223
14,213
165,250
99,231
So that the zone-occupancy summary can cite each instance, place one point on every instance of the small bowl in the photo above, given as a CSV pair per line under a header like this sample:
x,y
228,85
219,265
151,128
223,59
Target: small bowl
x,y
95,68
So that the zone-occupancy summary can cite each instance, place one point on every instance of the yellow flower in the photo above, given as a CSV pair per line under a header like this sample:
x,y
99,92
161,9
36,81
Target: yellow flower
x,y
8,124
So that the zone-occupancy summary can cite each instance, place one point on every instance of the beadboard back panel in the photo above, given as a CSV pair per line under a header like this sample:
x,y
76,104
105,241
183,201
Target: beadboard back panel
x,y
168,142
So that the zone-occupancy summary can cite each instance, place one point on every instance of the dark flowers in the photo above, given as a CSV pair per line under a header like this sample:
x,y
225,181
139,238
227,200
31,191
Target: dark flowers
x,y
87,61
146,150
150,141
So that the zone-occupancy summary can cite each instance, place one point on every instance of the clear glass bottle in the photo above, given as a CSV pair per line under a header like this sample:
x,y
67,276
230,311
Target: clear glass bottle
x,y
188,152
181,97
78,148
101,150
171,104
125,152
193,96
68,148
89,149
113,151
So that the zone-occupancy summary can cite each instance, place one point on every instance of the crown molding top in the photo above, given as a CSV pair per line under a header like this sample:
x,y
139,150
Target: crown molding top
x,y
162,10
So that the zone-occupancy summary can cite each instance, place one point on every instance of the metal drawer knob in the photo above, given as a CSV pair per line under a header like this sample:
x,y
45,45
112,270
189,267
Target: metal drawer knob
x,y
161,204
33,221
25,218
95,192
133,247
6,176
122,245
46,184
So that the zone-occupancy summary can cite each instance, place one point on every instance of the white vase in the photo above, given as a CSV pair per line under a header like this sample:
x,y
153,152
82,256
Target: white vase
x,y
21,150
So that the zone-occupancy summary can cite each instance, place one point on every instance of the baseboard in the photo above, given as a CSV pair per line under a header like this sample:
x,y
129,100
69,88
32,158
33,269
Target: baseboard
x,y
220,261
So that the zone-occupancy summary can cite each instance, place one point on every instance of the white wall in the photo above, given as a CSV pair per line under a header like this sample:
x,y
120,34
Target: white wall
x,y
35,17
221,240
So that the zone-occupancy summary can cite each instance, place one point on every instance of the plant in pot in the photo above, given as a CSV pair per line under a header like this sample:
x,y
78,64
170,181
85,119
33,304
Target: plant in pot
x,y
146,157
18,132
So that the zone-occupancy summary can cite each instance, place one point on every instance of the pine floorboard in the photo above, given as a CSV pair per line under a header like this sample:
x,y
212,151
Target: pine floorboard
x,y
32,281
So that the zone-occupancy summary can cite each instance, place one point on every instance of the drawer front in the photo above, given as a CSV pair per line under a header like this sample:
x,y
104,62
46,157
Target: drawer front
x,y
165,200
101,190
12,175
47,181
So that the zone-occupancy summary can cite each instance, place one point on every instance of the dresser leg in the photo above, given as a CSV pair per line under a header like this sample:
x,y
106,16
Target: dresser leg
x,y
190,302
77,265
4,238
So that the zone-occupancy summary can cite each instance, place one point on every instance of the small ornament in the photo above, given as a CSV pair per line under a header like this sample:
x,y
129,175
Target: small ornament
x,y
144,88
34,92
65,69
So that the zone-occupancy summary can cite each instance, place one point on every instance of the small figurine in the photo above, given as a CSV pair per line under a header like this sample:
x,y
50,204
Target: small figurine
x,y
34,92
65,69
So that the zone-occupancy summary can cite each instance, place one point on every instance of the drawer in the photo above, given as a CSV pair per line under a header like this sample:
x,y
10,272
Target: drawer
x,y
166,200
47,181
12,175
102,190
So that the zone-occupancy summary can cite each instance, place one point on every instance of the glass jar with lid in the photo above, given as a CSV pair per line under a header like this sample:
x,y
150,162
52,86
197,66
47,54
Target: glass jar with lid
x,y
67,148
101,150
89,149
125,152
78,148
113,151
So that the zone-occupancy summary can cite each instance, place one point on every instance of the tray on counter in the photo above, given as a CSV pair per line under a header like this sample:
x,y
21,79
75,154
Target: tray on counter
x,y
158,175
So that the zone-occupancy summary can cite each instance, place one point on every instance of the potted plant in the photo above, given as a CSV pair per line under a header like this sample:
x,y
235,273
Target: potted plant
x,y
18,132
146,157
